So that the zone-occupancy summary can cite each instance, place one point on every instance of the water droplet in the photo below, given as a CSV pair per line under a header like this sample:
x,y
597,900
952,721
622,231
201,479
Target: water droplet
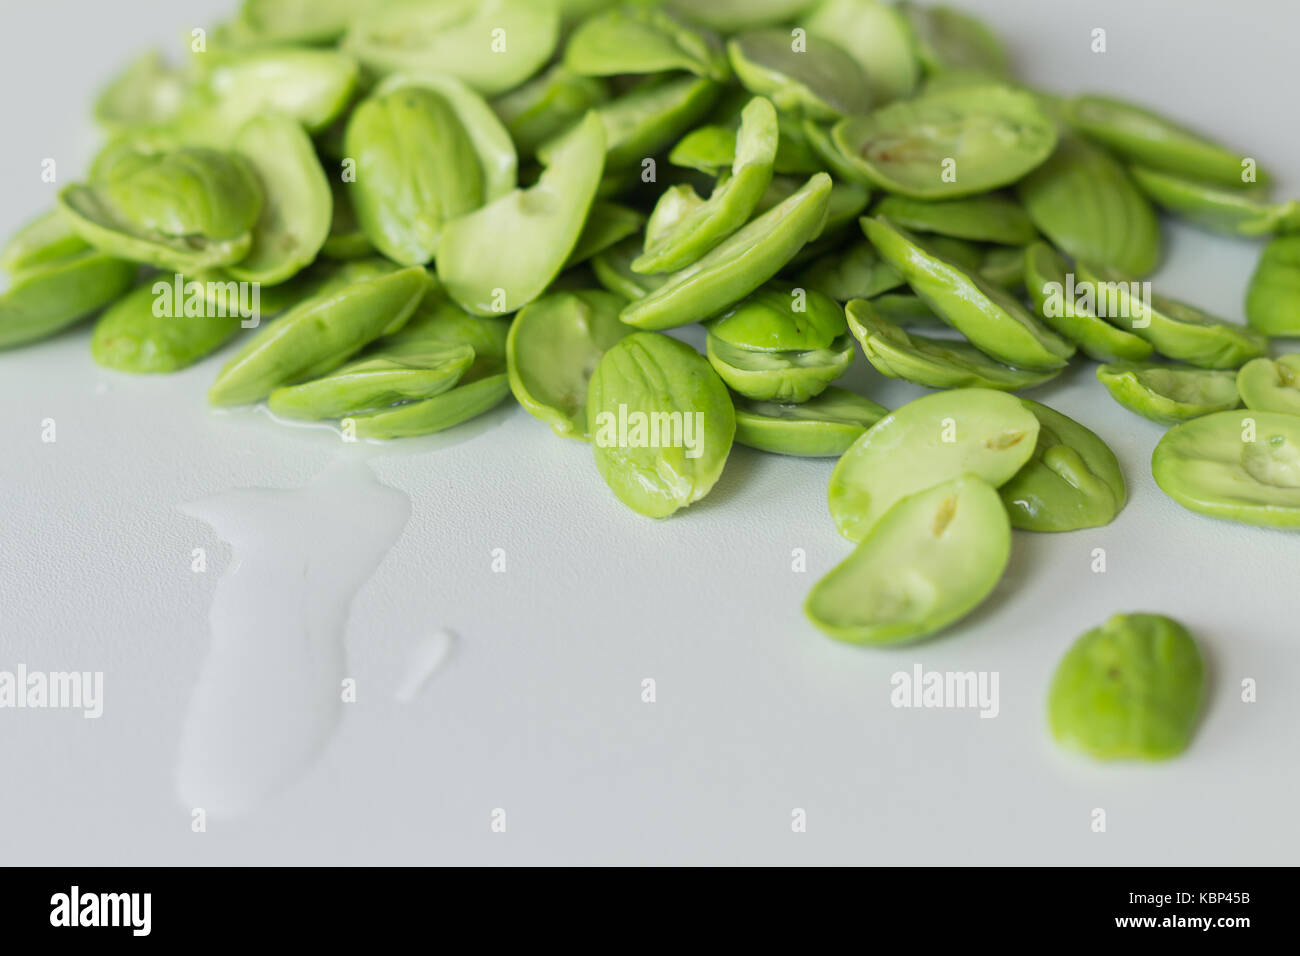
x,y
426,657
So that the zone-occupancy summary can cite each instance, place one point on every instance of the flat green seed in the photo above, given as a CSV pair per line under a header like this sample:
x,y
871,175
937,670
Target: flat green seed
x,y
456,37
433,415
1145,137
1072,481
1220,208
661,422
738,266
1130,689
1053,292
932,362
949,40
1267,385
1273,296
318,336
379,379
132,337
417,170
1086,203
184,211
635,40
1177,330
499,258
925,442
1170,394
43,240
439,321
820,81
822,427
298,207
992,319
554,347
991,135
780,318
793,376
874,33
1239,465
681,231
49,297
931,558
988,218
300,21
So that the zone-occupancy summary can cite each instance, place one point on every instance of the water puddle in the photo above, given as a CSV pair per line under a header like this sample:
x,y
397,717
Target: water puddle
x,y
269,694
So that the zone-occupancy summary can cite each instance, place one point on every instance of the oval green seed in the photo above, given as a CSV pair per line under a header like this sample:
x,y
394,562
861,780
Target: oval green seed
x,y
1220,208
929,560
298,209
1072,481
794,376
380,378
46,239
780,318
820,80
1085,202
318,336
300,21
131,336
949,40
993,135
661,423
990,218
499,258
417,170
1273,296
684,227
994,321
875,34
492,45
1271,386
1072,316
1130,689
738,266
934,363
433,415
1170,394
1177,330
554,347
931,440
822,427
46,298
1239,465
182,211
1150,139
643,40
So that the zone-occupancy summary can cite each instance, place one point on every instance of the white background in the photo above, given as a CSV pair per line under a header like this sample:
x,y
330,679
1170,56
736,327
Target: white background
x,y
538,711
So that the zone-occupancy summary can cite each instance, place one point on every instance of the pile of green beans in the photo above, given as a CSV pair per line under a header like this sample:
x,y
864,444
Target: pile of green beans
x,y
437,205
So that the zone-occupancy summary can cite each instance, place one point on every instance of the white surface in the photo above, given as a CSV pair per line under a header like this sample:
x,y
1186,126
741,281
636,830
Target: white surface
x,y
539,711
